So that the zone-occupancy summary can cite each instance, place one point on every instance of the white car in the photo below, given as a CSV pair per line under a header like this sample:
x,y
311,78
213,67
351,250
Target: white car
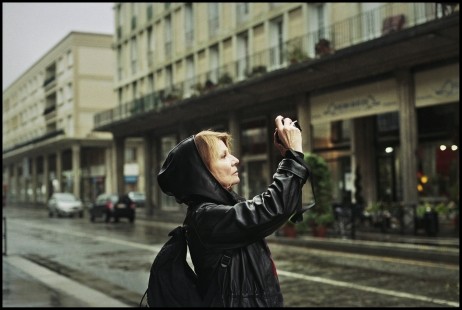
x,y
64,204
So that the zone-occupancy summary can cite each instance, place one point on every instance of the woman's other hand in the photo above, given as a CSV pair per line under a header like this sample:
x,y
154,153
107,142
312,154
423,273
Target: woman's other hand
x,y
289,135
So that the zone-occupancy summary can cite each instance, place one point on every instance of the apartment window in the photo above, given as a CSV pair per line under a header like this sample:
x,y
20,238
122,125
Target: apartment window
x,y
242,54
119,21
149,11
277,43
169,77
190,74
134,11
320,12
371,23
68,93
214,58
60,65
317,25
273,5
242,12
133,55
151,46
70,59
120,15
426,11
213,19
119,63
60,96
120,95
150,88
168,37
189,24
134,91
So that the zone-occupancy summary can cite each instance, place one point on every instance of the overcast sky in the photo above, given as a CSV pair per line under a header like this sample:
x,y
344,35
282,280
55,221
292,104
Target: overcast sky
x,y
30,30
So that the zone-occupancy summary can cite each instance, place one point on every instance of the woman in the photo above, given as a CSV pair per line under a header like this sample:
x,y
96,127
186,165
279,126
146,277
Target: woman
x,y
200,172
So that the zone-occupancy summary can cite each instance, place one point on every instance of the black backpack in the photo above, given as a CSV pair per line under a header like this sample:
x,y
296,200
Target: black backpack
x,y
172,282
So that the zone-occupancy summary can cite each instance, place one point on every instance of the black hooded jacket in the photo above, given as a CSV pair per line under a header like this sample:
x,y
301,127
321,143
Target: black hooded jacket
x,y
220,221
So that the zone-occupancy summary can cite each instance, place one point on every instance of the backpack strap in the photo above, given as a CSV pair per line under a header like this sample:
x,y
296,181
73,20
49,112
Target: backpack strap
x,y
227,254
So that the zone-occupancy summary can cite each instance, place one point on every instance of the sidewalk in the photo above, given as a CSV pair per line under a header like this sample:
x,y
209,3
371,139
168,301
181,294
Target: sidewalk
x,y
26,284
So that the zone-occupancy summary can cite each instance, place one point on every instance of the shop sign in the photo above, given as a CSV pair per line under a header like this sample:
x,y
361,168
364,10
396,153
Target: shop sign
x,y
131,179
437,86
370,99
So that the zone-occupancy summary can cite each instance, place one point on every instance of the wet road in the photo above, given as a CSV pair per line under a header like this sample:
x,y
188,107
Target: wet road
x,y
115,258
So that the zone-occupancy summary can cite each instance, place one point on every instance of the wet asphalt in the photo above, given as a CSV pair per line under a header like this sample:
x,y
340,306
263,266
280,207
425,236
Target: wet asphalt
x,y
27,284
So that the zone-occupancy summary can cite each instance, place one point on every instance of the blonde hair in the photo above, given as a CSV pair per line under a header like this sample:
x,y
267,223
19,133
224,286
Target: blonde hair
x,y
207,144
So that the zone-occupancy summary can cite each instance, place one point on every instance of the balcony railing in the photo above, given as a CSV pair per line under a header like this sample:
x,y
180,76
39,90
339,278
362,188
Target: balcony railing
x,y
367,26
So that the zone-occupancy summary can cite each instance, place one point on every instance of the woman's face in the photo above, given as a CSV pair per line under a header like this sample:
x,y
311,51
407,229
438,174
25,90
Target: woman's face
x,y
224,168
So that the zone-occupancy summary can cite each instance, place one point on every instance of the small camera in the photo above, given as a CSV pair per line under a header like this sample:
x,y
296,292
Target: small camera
x,y
296,124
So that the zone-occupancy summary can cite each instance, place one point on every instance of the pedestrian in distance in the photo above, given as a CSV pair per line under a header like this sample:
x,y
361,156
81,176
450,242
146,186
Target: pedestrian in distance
x,y
225,232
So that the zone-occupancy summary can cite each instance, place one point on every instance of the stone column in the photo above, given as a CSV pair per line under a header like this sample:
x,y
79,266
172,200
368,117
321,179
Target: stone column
x,y
76,169
148,175
108,167
155,153
235,132
119,145
46,176
408,135
364,157
304,119
34,180
59,170
17,189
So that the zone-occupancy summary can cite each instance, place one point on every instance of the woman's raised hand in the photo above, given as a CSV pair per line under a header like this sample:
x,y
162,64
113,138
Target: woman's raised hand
x,y
289,135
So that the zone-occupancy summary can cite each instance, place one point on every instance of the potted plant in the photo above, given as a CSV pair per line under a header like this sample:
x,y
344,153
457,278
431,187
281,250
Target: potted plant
x,y
323,48
173,95
289,230
256,71
426,217
225,79
296,54
321,216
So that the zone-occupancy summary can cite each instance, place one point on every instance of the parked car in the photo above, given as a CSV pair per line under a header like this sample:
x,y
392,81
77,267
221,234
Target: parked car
x,y
113,206
138,198
64,204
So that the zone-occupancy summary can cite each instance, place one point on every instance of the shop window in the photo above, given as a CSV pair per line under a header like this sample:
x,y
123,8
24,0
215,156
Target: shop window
x,y
331,135
253,137
438,153
130,154
167,144
253,166
387,123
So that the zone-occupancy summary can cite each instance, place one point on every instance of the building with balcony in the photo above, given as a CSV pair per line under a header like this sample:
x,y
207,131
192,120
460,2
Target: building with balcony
x,y
375,87
48,119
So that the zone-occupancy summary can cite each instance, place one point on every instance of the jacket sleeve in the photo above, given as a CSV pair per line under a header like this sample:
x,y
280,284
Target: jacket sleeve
x,y
223,226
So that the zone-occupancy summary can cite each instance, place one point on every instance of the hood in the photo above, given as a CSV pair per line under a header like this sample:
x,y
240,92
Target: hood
x,y
184,176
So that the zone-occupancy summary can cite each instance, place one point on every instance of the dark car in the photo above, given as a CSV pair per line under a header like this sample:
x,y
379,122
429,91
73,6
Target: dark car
x,y
113,206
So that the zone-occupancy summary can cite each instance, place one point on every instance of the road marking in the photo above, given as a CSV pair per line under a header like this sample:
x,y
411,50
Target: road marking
x,y
156,248
405,261
367,288
149,247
